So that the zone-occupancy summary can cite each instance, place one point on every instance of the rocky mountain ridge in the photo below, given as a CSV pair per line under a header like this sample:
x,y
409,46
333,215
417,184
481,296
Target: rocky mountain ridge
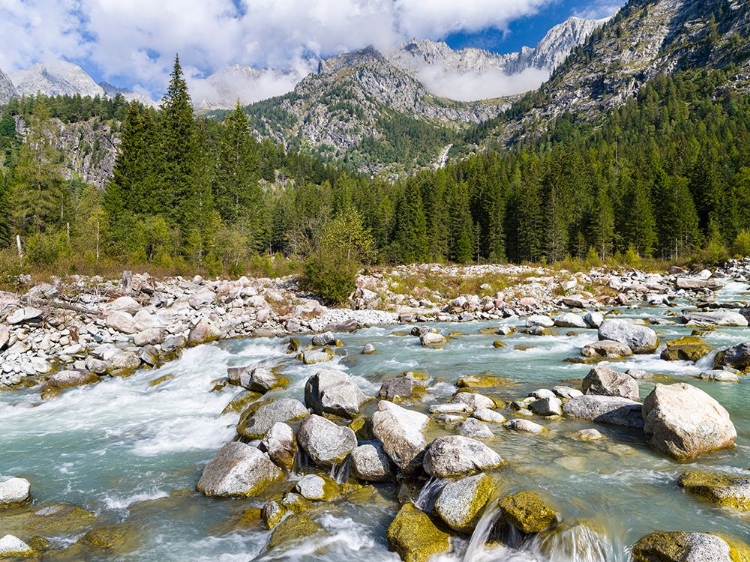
x,y
645,39
7,89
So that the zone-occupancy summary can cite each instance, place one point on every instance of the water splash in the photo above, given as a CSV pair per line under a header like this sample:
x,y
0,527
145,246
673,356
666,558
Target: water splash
x,y
429,494
706,363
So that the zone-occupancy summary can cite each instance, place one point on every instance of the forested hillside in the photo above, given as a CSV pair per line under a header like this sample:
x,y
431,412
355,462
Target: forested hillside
x,y
666,174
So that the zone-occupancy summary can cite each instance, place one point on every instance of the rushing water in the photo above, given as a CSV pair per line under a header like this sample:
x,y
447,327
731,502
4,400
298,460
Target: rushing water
x,y
132,452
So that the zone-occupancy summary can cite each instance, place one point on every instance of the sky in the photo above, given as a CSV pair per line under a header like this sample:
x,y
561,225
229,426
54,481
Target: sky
x,y
132,43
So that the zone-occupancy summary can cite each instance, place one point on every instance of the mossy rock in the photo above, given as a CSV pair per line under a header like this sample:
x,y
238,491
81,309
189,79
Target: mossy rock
x,y
48,521
294,528
296,503
399,333
499,344
676,546
362,428
482,381
252,517
39,544
241,401
689,348
488,331
719,489
317,487
272,513
161,380
527,512
414,536
293,345
108,537
461,502
416,375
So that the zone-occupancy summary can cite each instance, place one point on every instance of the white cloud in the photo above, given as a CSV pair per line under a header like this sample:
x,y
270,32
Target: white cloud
x,y
134,41
600,10
473,86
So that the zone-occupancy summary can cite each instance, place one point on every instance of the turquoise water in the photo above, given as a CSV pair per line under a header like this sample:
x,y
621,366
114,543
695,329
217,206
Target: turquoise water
x,y
132,453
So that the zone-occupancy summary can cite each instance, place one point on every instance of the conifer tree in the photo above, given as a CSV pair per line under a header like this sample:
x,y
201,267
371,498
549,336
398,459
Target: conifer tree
x,y
176,195
410,237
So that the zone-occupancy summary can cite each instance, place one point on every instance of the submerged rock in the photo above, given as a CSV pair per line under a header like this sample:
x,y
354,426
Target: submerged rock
x,y
333,392
327,444
684,422
472,427
238,470
525,426
414,536
455,455
640,339
401,433
293,530
603,381
461,502
719,489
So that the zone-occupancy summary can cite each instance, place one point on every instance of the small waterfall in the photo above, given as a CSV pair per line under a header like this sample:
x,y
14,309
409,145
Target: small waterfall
x,y
706,363
340,472
482,532
429,493
581,544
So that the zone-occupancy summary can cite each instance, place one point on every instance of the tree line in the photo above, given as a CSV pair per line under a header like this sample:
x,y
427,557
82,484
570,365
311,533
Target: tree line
x,y
665,175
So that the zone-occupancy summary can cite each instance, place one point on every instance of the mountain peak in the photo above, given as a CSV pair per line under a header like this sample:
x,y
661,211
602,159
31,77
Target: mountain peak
x,y
55,78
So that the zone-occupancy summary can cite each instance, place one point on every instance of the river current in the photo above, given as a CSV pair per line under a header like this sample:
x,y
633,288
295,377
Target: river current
x,y
131,451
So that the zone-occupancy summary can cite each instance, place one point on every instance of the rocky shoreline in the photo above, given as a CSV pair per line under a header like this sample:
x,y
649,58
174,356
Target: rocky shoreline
x,y
287,452
74,330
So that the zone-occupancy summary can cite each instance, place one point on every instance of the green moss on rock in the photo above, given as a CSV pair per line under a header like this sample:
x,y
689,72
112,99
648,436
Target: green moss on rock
x,y
527,512
414,536
689,348
482,381
294,528
719,489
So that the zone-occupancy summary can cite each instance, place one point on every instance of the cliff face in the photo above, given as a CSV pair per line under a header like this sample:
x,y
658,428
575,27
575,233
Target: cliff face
x,y
645,39
7,89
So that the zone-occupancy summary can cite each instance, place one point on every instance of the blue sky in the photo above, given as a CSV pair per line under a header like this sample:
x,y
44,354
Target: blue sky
x,y
132,43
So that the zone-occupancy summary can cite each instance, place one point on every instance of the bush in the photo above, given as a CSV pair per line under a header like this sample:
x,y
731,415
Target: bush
x,y
327,277
741,245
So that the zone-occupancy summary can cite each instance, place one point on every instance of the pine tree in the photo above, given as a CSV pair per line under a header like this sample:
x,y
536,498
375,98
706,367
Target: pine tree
x,y
176,195
410,237
461,225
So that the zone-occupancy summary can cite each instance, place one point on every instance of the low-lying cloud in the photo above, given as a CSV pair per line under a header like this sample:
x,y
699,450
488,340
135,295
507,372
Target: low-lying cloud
x,y
473,86
132,43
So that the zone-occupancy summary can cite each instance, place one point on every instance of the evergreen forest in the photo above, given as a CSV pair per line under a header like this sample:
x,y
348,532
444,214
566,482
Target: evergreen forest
x,y
666,176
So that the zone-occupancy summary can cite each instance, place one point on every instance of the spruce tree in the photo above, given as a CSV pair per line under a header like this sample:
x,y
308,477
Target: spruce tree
x,y
176,194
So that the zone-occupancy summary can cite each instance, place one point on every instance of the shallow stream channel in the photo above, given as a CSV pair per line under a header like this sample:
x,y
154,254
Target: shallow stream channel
x,y
131,450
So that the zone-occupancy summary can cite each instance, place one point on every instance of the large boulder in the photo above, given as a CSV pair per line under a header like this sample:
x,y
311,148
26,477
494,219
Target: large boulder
x,y
719,489
370,463
238,470
254,379
715,318
125,304
684,422
603,381
640,339
461,502
681,546
327,444
611,410
261,416
14,492
67,379
401,433
689,348
414,536
737,357
315,356
333,392
455,455
606,349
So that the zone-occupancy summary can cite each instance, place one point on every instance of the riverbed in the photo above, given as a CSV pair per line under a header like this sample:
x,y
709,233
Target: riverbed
x,y
131,450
